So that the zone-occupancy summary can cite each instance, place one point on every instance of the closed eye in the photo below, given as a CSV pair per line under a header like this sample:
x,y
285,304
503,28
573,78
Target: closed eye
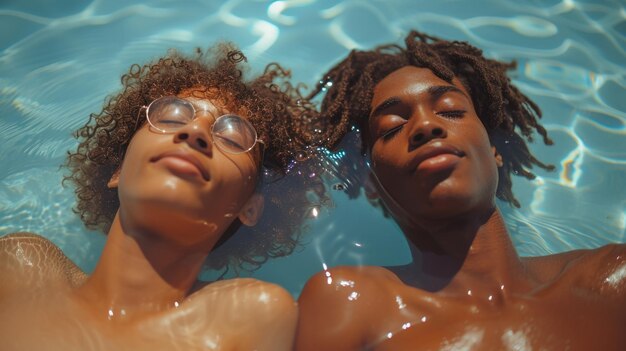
x,y
171,122
392,132
452,113
230,143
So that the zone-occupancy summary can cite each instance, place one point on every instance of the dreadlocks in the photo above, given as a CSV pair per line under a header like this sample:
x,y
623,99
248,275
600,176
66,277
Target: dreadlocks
x,y
508,115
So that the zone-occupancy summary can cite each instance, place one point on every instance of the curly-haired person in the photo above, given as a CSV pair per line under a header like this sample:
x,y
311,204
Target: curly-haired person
x,y
170,168
444,128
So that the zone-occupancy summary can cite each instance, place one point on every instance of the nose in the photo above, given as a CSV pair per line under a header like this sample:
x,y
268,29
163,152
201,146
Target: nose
x,y
196,134
425,129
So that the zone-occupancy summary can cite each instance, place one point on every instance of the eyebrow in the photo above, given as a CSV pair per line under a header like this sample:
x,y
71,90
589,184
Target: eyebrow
x,y
434,92
392,101
437,91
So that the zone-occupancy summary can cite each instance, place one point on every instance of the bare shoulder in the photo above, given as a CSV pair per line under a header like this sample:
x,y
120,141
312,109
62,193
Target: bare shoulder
x,y
335,286
361,285
28,261
340,283
601,270
250,291
605,269
264,312
248,300
339,280
340,306
28,251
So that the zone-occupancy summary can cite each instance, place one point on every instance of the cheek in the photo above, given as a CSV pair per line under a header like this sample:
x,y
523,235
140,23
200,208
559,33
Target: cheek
x,y
383,155
486,168
386,166
235,174
380,165
132,165
390,158
140,150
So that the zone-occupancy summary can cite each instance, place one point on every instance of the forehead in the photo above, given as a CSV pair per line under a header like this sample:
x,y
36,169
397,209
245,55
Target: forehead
x,y
212,101
409,80
203,100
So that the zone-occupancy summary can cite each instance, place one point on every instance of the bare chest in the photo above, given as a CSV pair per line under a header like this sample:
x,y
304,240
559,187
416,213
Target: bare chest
x,y
550,321
55,322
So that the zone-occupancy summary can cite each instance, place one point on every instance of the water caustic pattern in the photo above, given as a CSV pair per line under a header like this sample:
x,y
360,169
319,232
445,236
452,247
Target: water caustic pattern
x,y
58,62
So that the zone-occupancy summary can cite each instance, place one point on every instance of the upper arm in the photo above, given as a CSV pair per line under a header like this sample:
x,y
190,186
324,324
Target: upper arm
x,y
30,261
337,308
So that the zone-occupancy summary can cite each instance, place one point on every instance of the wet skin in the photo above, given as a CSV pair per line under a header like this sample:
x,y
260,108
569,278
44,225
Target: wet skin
x,y
467,287
178,194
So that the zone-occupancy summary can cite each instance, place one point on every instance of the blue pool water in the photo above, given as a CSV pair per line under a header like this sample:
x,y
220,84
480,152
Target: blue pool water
x,y
57,63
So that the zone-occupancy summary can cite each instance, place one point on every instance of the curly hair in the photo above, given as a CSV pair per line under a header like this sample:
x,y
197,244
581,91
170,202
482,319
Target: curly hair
x,y
502,108
275,108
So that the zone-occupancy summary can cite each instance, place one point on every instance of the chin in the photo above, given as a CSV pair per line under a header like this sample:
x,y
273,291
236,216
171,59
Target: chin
x,y
153,207
166,191
445,201
442,208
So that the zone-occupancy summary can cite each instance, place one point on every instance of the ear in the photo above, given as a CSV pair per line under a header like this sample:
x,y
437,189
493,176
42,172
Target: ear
x,y
115,179
497,156
252,210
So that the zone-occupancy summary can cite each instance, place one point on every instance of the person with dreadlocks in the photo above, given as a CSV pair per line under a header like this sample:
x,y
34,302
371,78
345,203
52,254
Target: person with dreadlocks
x,y
444,128
170,168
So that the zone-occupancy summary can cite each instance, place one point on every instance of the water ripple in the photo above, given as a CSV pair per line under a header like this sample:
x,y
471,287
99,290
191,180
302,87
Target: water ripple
x,y
57,64
526,25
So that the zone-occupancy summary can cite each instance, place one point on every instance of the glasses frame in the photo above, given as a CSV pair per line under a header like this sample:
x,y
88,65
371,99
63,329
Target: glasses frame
x,y
213,138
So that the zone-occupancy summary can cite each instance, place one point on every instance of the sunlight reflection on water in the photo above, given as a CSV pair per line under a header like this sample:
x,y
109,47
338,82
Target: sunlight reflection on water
x,y
57,64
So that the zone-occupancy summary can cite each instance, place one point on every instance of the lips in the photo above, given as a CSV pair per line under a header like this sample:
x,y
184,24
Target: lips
x,y
431,151
186,157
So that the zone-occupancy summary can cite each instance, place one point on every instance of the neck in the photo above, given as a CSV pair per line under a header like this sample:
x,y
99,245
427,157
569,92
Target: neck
x,y
467,253
141,273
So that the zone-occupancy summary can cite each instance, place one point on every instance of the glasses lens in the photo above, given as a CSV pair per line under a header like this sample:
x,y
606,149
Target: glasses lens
x,y
170,113
234,134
